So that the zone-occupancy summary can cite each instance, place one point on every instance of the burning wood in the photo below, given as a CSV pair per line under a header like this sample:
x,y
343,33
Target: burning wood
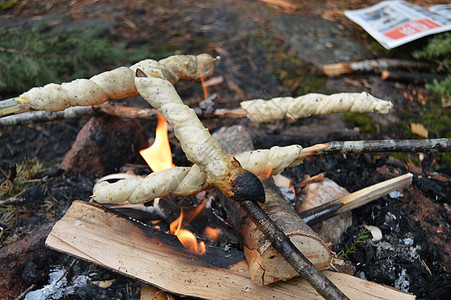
x,y
266,265
101,236
115,84
225,173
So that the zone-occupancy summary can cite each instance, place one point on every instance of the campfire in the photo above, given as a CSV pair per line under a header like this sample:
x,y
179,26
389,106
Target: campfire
x,y
277,244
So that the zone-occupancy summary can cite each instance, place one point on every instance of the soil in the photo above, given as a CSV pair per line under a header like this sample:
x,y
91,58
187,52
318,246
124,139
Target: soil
x,y
266,52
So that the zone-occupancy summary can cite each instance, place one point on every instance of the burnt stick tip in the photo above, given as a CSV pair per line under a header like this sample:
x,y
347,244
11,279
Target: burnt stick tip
x,y
247,187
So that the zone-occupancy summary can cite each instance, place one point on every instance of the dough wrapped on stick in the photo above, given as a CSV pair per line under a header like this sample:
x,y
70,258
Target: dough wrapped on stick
x,y
313,104
185,181
116,84
223,170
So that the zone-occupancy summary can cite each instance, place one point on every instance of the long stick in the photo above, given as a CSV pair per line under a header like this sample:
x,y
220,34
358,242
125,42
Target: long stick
x,y
354,200
291,254
430,145
122,111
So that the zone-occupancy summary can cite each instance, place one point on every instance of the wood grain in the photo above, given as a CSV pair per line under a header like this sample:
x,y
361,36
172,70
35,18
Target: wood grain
x,y
93,233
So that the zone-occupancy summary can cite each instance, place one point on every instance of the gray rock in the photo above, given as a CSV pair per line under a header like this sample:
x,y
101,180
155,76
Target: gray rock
x,y
318,41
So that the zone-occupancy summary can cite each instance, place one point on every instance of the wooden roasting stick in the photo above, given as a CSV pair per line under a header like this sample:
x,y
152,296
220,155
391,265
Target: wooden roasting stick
x,y
115,84
184,181
370,65
257,110
428,145
225,173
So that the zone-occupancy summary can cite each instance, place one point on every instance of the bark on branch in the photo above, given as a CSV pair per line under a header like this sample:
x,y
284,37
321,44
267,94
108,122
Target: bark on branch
x,y
291,254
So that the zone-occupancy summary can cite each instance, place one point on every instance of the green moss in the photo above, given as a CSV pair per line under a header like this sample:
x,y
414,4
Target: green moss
x,y
24,173
437,122
5,5
295,75
363,121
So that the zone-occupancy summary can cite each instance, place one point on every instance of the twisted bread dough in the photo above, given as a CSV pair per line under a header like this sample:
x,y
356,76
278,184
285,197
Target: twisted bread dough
x,y
313,104
200,148
116,84
185,181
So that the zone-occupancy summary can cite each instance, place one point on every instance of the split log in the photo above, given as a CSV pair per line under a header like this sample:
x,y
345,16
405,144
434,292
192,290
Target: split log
x,y
266,265
98,235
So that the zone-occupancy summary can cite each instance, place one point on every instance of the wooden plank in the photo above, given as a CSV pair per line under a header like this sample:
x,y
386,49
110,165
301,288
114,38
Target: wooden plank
x,y
95,234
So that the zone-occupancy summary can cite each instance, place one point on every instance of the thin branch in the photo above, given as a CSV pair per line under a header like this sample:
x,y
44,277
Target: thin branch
x,y
356,147
370,65
32,117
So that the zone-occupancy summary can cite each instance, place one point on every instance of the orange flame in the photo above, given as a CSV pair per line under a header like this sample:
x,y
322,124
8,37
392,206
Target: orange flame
x,y
202,81
159,155
293,189
265,173
212,233
186,237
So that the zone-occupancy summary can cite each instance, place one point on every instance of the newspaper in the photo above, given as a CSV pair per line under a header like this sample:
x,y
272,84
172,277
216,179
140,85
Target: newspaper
x,y
394,23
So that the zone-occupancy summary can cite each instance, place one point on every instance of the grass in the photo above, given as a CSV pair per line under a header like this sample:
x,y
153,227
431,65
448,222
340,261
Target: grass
x,y
24,172
35,57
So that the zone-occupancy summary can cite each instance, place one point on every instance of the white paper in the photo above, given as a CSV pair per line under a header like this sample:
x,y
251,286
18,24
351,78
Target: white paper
x,y
394,23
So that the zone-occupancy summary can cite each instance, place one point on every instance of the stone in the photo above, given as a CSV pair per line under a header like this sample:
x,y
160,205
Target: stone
x,y
104,145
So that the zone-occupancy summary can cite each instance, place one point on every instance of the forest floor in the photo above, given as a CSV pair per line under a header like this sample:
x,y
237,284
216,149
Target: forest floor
x,y
266,51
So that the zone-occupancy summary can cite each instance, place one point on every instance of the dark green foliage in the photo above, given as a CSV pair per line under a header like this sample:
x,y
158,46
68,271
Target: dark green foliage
x,y
4,5
33,58
438,49
344,253
442,88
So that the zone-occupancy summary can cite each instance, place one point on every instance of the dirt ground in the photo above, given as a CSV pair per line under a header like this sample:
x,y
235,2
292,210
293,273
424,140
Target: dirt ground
x,y
266,51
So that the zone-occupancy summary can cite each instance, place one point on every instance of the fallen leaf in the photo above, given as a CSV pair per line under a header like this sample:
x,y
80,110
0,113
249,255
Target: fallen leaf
x,y
285,4
419,129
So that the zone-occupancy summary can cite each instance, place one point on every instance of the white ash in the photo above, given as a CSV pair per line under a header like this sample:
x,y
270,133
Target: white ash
x,y
402,283
408,241
287,194
395,195
58,287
